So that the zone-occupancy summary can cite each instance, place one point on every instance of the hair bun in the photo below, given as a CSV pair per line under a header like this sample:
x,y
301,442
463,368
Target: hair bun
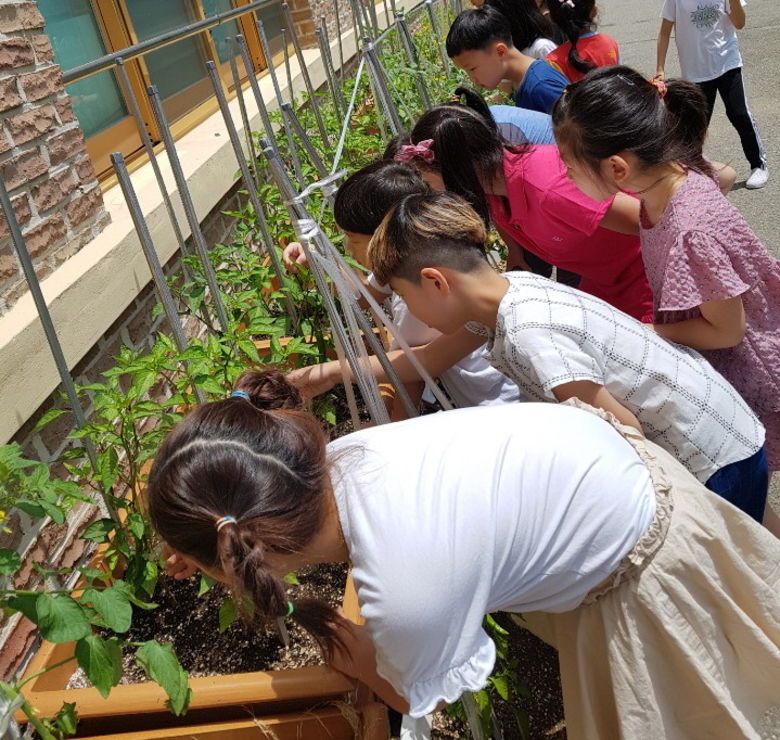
x,y
269,390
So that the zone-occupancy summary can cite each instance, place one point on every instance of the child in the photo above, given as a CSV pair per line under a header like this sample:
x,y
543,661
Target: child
x,y
532,32
524,191
663,598
586,48
557,343
361,204
715,287
480,43
706,38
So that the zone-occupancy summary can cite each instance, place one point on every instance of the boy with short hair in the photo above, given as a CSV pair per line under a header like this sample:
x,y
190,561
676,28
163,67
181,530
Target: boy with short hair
x,y
480,43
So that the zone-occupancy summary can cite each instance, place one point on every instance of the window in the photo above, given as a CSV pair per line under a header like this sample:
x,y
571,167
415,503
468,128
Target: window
x,y
83,30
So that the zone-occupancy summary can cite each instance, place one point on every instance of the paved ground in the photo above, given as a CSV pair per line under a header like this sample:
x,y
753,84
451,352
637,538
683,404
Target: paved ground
x,y
635,23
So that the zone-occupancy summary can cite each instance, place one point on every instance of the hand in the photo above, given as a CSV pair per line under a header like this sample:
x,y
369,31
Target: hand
x,y
358,660
314,380
176,565
293,255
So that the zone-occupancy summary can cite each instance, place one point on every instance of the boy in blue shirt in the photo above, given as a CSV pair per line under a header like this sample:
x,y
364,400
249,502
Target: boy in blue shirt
x,y
480,43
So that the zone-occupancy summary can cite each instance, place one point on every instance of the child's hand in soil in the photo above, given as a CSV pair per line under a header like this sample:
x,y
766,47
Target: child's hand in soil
x,y
176,565
314,380
293,256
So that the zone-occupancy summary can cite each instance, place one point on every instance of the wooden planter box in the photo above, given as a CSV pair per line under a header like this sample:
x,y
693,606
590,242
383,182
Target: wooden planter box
x,y
330,723
141,707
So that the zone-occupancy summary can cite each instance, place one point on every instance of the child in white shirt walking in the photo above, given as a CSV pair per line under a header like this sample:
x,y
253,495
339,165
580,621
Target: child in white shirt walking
x,y
705,32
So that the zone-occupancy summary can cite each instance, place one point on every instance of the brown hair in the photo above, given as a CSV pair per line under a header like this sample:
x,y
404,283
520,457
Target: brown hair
x,y
263,462
429,230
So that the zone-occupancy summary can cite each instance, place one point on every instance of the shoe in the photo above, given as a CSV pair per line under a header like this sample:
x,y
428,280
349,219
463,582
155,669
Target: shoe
x,y
758,178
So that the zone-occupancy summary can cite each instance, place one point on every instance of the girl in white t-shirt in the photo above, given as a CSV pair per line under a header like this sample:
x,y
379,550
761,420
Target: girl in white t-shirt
x,y
361,203
705,32
662,598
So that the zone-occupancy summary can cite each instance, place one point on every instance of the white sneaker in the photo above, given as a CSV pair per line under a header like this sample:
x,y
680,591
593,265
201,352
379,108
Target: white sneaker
x,y
758,178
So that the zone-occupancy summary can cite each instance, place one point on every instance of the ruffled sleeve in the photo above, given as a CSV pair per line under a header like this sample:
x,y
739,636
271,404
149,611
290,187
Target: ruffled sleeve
x,y
700,269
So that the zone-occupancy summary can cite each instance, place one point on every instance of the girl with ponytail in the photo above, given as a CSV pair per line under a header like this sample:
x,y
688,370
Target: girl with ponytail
x,y
715,286
532,32
525,193
585,48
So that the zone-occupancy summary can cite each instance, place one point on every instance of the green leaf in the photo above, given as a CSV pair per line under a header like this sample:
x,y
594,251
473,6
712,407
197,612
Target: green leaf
x,y
10,561
501,685
49,416
60,618
66,720
292,579
150,577
161,665
99,531
33,508
113,607
128,591
101,660
55,512
206,584
227,614
107,468
137,524
25,604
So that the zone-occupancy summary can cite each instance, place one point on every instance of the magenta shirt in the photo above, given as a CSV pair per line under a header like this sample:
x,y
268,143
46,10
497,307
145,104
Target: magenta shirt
x,y
549,216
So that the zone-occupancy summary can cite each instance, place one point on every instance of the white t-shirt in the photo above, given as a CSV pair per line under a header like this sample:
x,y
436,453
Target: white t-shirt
x,y
471,382
540,48
548,334
705,36
447,517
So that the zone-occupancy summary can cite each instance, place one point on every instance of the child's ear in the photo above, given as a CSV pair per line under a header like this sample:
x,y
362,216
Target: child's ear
x,y
501,48
618,169
434,279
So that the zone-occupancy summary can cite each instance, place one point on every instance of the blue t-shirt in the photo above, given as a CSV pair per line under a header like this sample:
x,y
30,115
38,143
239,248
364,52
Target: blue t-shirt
x,y
523,126
541,87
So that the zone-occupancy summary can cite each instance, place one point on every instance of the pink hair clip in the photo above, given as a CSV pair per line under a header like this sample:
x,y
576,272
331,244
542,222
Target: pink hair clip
x,y
659,84
423,151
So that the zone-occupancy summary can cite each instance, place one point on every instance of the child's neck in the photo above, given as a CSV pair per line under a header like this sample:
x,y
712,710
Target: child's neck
x,y
516,65
483,292
656,187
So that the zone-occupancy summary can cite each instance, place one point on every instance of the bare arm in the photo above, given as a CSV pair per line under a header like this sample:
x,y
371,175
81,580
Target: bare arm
x,y
737,14
721,325
662,46
599,397
623,215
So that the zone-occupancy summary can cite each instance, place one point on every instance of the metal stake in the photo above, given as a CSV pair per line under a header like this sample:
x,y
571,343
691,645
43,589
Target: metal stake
x,y
411,55
296,162
342,103
357,23
379,83
445,60
250,142
325,54
300,132
250,184
337,11
261,107
305,72
189,207
158,276
371,11
287,70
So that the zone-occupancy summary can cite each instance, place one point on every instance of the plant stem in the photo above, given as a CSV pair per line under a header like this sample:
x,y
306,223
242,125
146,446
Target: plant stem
x,y
44,670
13,694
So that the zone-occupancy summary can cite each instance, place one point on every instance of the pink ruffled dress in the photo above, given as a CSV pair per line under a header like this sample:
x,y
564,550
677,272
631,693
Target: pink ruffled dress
x,y
702,249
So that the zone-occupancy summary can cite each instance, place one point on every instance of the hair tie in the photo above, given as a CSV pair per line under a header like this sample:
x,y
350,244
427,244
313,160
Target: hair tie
x,y
222,521
423,151
241,394
290,608
659,84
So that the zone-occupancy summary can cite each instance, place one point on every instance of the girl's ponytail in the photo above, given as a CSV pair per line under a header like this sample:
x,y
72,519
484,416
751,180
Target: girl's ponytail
x,y
477,103
574,17
687,121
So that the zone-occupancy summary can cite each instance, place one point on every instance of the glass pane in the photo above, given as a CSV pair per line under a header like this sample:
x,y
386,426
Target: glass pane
x,y
75,36
273,22
224,32
178,66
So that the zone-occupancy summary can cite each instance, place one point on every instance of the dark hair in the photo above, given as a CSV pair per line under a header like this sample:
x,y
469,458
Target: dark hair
x,y
615,109
394,145
474,29
431,230
526,23
467,145
574,18
262,461
368,194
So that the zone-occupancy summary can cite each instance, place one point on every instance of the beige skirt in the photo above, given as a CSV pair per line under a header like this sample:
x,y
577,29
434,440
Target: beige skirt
x,y
683,641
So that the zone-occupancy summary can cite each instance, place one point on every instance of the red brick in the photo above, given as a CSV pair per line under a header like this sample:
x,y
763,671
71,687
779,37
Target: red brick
x,y
81,208
22,211
9,94
16,52
53,191
5,144
16,647
31,124
20,16
22,169
9,266
85,170
42,46
64,146
65,109
39,85
45,236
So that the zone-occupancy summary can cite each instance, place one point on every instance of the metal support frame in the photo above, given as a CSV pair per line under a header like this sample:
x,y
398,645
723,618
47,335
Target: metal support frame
x,y
250,142
412,56
379,84
189,207
323,41
445,60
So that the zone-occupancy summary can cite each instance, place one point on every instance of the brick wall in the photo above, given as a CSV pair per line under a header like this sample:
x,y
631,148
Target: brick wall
x,y
43,161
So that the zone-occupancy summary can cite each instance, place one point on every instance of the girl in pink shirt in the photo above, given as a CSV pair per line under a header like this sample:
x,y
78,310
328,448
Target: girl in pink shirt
x,y
715,286
524,191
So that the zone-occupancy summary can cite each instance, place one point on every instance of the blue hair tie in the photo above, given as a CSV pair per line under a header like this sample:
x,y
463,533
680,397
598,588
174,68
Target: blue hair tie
x,y
241,394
